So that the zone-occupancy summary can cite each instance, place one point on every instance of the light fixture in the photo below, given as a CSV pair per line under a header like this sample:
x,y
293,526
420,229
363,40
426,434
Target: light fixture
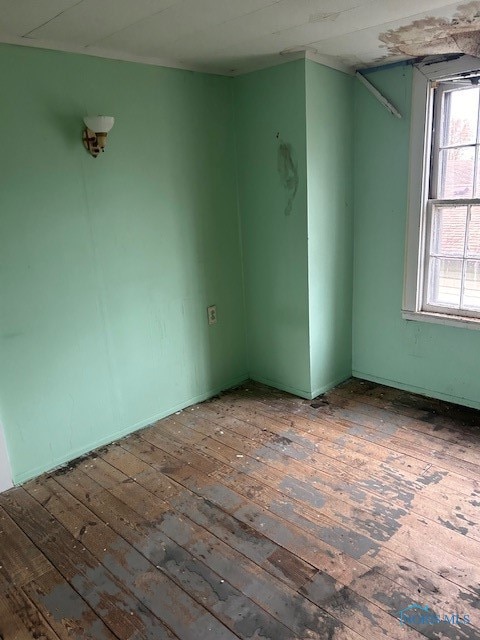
x,y
95,134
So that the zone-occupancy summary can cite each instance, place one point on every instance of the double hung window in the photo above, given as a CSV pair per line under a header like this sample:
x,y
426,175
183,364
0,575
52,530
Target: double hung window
x,y
443,265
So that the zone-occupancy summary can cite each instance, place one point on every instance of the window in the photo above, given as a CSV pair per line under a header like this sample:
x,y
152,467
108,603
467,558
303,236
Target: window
x,y
442,276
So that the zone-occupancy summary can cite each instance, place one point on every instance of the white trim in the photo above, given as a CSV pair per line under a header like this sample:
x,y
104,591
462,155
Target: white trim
x,y
268,63
379,96
420,137
448,68
6,481
442,318
97,52
458,202
330,62
413,307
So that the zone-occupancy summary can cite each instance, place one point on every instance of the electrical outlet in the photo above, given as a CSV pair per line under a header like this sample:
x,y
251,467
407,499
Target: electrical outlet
x,y
212,314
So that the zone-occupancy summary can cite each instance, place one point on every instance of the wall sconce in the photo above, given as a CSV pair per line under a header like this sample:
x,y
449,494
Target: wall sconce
x,y
95,134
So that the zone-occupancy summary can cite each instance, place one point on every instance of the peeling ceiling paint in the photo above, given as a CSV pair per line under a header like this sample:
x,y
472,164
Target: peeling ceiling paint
x,y
237,36
432,36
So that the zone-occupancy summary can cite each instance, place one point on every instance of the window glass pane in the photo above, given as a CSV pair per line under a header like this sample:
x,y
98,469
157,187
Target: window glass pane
x,y
460,117
456,172
471,294
448,231
445,278
473,243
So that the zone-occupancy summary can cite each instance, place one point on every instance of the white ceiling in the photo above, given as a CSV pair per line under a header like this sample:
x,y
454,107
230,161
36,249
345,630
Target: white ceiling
x,y
219,36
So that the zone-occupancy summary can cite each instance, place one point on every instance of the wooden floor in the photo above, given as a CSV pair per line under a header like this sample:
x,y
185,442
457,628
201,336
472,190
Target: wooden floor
x,y
256,515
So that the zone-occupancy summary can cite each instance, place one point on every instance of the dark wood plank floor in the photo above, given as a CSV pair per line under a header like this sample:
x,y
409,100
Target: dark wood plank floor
x,y
256,515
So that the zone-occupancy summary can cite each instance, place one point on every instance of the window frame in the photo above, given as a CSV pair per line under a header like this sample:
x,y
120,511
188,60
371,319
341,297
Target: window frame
x,y
417,233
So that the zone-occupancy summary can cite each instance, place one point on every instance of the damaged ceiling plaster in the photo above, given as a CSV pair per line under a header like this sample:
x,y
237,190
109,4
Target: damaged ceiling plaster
x,y
436,36
236,37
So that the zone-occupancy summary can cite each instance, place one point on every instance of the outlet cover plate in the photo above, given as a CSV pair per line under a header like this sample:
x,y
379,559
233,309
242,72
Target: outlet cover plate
x,y
212,314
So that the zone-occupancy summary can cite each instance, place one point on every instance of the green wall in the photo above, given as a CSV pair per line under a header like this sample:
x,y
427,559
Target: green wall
x,y
107,265
330,224
298,258
436,360
270,114
234,192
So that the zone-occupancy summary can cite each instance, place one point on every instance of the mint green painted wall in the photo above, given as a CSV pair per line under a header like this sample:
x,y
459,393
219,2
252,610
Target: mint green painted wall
x,y
270,110
330,223
107,265
433,359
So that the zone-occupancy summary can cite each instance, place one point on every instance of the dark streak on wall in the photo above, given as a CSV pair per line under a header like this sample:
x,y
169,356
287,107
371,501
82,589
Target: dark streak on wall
x,y
288,171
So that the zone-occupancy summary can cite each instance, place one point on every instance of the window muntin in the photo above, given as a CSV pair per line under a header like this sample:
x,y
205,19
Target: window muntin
x,y
451,283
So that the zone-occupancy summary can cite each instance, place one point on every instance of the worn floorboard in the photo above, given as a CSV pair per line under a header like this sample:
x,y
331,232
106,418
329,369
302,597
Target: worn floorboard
x,y
257,515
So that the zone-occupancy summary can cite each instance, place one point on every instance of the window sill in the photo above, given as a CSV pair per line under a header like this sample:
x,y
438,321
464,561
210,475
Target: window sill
x,y
441,318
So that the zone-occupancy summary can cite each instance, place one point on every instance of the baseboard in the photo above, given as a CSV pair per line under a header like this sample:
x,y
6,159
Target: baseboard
x,y
282,387
121,433
429,393
5,468
320,390
308,395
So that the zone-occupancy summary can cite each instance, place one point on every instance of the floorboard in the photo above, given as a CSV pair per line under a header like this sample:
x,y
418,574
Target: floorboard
x,y
256,515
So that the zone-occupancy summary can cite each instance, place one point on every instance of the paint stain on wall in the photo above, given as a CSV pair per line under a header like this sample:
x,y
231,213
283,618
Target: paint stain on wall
x,y
434,36
288,171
